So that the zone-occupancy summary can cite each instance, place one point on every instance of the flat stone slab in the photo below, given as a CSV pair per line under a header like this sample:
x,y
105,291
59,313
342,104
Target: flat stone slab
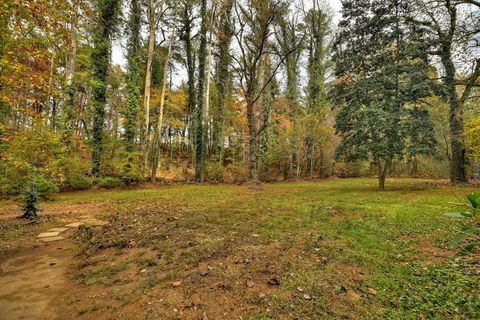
x,y
48,234
96,223
57,230
75,224
50,239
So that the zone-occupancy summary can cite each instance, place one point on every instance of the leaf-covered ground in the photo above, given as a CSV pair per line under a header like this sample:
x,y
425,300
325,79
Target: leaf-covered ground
x,y
335,249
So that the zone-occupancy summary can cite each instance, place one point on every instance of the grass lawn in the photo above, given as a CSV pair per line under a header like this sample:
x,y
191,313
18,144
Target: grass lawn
x,y
336,249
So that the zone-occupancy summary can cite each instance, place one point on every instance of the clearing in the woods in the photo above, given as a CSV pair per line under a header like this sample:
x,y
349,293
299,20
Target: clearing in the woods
x,y
337,249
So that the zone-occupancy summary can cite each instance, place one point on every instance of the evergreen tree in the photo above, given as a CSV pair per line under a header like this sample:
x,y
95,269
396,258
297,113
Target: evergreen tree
x,y
30,201
382,72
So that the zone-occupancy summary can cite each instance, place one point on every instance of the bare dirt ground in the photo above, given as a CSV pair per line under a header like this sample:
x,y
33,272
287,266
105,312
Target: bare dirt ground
x,y
33,280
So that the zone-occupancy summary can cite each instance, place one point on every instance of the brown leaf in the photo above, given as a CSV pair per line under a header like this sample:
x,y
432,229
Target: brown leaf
x,y
176,283
372,291
250,283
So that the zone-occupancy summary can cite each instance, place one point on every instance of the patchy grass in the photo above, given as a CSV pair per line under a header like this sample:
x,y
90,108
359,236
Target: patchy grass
x,y
339,249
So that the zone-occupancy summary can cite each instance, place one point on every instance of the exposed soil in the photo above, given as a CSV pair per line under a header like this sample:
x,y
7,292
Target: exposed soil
x,y
33,281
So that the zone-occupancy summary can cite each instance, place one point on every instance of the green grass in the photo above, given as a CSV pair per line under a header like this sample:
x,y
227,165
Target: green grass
x,y
358,252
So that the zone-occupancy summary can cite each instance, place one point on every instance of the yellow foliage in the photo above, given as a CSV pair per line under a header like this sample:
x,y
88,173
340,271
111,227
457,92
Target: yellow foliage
x,y
472,138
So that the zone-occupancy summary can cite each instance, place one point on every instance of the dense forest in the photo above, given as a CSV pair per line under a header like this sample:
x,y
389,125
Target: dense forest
x,y
236,90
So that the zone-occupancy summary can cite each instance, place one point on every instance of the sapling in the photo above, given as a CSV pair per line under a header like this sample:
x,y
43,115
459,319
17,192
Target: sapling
x,y
30,201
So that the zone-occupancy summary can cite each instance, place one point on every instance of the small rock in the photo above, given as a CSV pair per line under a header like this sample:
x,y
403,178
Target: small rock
x,y
50,239
143,271
75,224
273,282
57,230
262,295
299,289
307,297
176,283
204,273
48,234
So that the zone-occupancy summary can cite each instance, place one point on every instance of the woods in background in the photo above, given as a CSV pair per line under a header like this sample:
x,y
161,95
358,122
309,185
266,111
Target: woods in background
x,y
236,90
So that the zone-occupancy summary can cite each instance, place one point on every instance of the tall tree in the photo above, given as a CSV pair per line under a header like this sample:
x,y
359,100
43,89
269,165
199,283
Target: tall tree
x,y
253,37
133,74
200,142
382,72
223,74
291,36
132,86
106,24
318,26
453,31
70,103
187,19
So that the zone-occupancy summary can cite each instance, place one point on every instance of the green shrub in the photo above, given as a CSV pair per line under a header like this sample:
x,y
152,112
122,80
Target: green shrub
x,y
214,172
109,182
130,167
17,180
46,188
78,182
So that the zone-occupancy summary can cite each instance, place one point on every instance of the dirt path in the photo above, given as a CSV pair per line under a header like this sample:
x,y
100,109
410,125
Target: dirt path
x,y
33,280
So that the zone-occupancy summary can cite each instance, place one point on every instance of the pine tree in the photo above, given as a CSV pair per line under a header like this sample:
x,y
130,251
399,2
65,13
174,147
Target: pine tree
x,y
30,201
382,72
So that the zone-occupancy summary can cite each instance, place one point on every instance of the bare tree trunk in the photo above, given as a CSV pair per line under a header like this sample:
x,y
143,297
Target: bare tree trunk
x,y
148,71
156,142
206,109
382,173
68,116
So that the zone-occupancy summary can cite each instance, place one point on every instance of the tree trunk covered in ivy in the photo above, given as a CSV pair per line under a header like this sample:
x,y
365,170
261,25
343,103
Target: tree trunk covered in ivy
x,y
133,74
68,116
106,23
223,75
200,99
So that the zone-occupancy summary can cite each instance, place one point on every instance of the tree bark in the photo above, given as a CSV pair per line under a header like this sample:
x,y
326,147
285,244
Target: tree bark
x,y
199,132
157,140
382,173
69,108
223,77
458,173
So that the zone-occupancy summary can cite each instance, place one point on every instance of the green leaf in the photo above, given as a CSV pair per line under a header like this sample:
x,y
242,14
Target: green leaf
x,y
464,214
460,237
467,249
474,199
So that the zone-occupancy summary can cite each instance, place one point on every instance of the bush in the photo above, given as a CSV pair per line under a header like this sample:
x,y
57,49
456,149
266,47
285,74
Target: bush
x,y
78,182
109,182
214,172
131,168
46,188
17,180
